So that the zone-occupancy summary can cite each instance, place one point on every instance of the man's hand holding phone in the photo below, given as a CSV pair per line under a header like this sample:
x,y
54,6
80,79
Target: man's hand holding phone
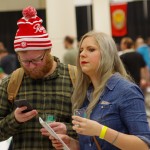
x,y
24,111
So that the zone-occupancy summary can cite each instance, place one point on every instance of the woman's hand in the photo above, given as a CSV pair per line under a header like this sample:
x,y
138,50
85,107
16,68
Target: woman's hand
x,y
86,126
57,144
58,127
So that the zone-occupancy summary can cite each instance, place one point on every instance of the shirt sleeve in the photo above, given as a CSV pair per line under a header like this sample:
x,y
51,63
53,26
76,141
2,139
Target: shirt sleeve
x,y
133,114
71,132
8,124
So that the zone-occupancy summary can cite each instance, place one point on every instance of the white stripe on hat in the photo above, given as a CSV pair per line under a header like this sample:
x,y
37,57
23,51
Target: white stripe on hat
x,y
32,36
32,48
31,23
31,39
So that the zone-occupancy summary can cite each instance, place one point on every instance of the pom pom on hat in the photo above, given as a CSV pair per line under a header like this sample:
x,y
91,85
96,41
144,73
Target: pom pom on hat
x,y
29,12
31,35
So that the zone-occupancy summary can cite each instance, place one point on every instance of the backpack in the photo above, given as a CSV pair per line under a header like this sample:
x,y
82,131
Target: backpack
x,y
17,76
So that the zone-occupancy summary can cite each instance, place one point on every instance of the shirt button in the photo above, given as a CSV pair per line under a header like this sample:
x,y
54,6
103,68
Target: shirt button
x,y
90,144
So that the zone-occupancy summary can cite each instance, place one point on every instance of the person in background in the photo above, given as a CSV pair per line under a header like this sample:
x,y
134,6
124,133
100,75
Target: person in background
x,y
46,85
144,50
2,45
114,105
139,41
3,53
8,61
71,53
148,41
2,74
134,62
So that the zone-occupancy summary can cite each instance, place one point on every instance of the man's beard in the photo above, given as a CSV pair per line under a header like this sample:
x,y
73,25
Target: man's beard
x,y
40,72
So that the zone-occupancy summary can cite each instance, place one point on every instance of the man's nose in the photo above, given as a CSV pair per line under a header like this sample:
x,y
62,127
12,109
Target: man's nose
x,y
32,65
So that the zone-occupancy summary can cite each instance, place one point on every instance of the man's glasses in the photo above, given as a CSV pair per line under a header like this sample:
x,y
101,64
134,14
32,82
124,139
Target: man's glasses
x,y
33,61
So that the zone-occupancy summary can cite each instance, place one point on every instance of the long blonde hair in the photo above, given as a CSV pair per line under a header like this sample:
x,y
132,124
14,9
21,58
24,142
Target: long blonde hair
x,y
109,64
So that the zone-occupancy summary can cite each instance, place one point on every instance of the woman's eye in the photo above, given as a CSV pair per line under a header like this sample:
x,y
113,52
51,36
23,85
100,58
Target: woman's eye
x,y
80,51
91,49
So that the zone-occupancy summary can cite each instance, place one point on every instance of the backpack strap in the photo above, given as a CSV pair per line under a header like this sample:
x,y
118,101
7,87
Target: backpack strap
x,y
72,73
14,83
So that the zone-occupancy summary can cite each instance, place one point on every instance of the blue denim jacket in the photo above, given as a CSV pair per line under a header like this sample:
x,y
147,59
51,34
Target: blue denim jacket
x,y
120,107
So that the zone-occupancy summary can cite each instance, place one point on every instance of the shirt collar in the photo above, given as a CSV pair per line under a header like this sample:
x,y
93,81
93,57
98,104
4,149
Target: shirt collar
x,y
112,82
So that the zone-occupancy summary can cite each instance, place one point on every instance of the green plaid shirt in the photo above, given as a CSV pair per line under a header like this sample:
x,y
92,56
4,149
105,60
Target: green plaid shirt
x,y
48,95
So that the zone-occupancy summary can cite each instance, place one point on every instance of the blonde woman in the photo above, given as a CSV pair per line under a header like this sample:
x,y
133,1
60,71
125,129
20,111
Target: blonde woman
x,y
114,105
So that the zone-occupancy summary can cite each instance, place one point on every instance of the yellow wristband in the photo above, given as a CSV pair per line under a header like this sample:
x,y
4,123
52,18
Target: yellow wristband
x,y
103,132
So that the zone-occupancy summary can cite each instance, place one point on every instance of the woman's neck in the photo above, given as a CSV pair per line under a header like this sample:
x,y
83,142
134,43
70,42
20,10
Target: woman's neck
x,y
95,81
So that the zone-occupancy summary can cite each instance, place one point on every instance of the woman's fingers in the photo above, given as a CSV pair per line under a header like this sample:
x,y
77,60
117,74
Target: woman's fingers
x,y
79,122
56,143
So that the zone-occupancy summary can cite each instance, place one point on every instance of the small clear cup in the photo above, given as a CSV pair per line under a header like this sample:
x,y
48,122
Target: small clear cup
x,y
80,112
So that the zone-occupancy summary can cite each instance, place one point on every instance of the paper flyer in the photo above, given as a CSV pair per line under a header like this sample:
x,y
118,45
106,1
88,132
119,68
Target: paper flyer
x,y
52,132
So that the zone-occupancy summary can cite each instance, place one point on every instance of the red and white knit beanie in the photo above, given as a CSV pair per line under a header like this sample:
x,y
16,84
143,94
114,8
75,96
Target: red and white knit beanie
x,y
31,35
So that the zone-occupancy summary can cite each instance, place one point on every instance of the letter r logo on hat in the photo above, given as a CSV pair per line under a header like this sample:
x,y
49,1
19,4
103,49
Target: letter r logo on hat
x,y
23,44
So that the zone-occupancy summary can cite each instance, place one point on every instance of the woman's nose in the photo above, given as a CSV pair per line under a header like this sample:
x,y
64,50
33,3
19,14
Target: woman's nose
x,y
83,53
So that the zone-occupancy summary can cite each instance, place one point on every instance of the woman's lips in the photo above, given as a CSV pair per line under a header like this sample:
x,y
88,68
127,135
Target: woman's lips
x,y
83,62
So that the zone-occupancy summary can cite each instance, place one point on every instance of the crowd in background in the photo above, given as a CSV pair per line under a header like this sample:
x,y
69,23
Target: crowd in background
x,y
134,60
135,56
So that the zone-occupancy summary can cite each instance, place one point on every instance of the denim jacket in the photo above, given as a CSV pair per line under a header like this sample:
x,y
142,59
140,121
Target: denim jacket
x,y
120,107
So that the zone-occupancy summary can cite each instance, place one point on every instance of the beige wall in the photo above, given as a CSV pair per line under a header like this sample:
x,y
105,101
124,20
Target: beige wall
x,y
60,22
101,16
11,5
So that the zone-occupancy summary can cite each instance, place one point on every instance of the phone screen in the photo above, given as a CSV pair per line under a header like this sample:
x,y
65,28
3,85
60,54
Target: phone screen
x,y
23,102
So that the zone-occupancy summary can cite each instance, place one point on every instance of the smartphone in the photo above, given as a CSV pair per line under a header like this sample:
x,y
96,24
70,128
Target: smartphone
x,y
23,102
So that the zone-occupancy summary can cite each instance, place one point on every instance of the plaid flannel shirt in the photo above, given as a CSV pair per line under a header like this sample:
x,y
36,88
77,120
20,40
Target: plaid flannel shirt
x,y
48,95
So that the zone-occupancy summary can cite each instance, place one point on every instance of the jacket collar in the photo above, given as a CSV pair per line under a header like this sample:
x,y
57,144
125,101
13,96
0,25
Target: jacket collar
x,y
112,82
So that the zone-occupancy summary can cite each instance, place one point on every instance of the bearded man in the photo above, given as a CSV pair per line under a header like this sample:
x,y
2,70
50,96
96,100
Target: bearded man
x,y
46,85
